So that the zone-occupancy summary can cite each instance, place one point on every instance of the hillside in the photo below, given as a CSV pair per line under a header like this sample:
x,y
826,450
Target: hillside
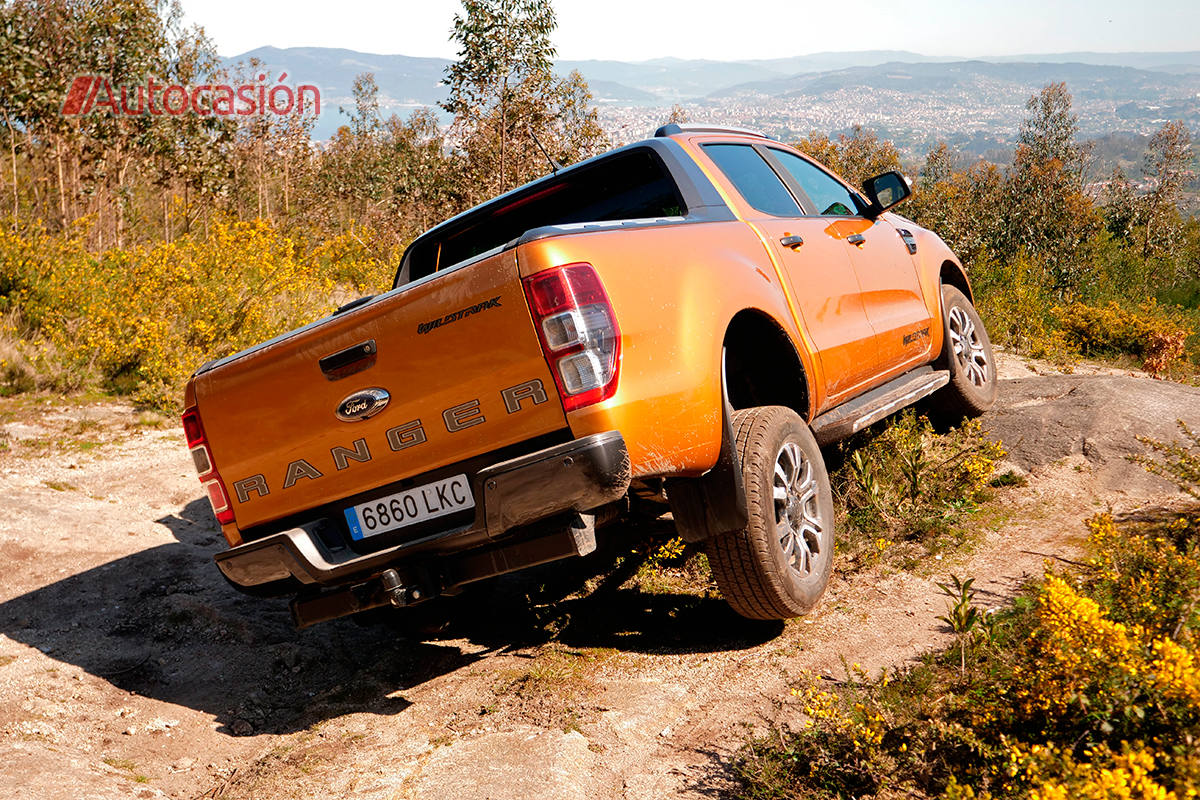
x,y
112,605
1087,81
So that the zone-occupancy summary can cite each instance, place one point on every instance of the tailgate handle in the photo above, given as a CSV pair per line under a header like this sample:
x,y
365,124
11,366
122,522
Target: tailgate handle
x,y
349,361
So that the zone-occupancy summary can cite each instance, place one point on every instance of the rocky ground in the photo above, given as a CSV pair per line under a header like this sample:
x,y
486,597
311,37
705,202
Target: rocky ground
x,y
129,668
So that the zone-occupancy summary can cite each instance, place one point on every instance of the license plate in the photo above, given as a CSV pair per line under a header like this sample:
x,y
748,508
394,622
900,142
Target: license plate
x,y
409,507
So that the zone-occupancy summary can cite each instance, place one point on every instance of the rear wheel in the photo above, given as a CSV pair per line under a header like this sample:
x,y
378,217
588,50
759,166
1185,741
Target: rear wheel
x,y
779,565
967,353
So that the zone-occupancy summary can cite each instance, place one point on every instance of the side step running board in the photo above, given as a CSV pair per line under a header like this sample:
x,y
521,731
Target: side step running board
x,y
876,404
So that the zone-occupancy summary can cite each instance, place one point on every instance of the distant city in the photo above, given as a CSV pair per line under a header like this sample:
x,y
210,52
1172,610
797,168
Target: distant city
x,y
914,100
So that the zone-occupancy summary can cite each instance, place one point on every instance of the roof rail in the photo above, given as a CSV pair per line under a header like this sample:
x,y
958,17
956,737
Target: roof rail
x,y
672,128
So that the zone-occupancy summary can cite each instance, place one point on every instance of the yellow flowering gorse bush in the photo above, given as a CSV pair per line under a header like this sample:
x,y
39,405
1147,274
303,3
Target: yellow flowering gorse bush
x,y
1089,688
1124,776
142,319
1151,332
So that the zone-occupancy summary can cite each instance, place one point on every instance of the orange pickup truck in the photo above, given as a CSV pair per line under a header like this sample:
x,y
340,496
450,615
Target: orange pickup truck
x,y
680,323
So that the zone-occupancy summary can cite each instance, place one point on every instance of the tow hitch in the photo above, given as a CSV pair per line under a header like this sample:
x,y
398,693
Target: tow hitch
x,y
565,536
387,589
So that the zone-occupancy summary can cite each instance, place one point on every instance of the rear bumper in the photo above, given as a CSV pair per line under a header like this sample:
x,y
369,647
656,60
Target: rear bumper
x,y
576,476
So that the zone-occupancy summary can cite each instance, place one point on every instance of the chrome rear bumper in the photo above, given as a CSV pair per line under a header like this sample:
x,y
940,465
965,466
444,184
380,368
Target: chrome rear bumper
x,y
576,476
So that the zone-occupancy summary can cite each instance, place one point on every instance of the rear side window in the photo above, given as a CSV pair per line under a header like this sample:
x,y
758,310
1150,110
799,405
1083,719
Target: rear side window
x,y
828,195
633,185
754,179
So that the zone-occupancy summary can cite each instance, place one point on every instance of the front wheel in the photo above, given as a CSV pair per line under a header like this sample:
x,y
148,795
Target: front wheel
x,y
778,566
967,353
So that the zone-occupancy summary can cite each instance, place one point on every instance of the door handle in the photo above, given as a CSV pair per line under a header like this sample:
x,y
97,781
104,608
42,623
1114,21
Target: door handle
x,y
791,241
857,239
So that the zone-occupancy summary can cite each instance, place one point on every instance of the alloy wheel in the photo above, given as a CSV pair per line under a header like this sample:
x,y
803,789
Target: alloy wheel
x,y
797,521
968,349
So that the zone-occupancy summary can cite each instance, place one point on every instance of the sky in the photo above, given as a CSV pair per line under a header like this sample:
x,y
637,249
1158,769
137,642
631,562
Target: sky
x,y
634,30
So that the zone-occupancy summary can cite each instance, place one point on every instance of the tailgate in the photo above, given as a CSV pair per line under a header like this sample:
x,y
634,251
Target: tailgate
x,y
458,356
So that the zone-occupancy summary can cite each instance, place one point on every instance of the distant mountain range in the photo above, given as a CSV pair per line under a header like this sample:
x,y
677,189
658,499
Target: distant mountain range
x,y
1134,88
1087,81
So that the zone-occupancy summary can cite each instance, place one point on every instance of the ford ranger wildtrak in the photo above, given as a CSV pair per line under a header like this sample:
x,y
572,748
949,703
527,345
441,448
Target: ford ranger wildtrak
x,y
682,322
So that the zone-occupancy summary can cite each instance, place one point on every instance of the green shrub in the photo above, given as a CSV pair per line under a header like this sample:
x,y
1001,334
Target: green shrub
x,y
901,490
1017,306
1151,332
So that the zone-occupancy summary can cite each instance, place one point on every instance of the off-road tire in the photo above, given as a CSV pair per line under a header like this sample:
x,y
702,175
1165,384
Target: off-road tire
x,y
756,575
967,353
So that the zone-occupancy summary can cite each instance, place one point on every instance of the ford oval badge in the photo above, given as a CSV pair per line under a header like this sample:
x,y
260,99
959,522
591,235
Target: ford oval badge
x,y
363,404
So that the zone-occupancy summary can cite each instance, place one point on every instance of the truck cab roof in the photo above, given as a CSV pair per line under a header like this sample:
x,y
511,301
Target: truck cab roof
x,y
651,181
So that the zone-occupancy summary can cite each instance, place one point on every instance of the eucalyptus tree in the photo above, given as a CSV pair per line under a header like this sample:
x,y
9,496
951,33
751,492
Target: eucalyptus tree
x,y
1047,213
1167,167
504,52
513,117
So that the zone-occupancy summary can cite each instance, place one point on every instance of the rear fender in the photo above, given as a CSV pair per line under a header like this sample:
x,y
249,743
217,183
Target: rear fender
x,y
674,289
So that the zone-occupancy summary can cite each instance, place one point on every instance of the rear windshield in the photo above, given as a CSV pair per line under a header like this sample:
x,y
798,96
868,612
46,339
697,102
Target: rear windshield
x,y
632,185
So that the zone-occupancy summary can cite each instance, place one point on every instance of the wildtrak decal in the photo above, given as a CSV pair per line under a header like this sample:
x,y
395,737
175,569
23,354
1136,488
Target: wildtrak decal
x,y
426,327
400,437
909,338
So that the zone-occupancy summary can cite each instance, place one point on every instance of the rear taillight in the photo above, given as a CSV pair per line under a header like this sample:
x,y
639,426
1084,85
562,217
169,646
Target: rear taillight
x,y
214,487
578,331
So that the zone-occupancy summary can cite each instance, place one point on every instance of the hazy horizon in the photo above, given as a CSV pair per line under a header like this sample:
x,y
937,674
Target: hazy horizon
x,y
668,57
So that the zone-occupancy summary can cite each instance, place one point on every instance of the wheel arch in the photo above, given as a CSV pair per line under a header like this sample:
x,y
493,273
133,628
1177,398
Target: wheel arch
x,y
754,346
952,274
763,366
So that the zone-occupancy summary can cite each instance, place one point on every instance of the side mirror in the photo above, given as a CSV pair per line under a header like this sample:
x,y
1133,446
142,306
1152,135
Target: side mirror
x,y
884,191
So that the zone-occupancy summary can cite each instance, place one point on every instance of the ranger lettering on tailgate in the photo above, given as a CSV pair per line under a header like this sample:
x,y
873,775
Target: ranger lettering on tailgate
x,y
401,437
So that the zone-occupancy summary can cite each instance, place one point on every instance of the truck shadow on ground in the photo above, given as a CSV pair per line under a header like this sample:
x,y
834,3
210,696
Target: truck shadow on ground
x,y
592,602
163,623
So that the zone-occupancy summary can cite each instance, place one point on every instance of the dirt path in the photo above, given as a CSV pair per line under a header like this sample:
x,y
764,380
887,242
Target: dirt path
x,y
129,668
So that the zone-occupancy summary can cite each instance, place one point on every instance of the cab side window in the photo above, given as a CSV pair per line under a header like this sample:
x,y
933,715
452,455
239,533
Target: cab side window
x,y
828,195
753,178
